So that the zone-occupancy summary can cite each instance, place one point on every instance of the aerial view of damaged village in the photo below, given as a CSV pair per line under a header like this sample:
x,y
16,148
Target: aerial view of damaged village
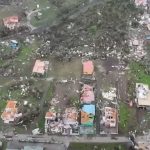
x,y
74,74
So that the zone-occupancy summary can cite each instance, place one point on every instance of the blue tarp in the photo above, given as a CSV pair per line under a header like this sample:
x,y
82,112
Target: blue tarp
x,y
90,109
14,44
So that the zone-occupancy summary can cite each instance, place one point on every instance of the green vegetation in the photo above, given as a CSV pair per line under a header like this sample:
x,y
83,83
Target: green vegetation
x,y
75,102
140,73
26,51
127,120
47,17
49,94
93,29
41,121
92,146
4,145
2,105
2,99
30,4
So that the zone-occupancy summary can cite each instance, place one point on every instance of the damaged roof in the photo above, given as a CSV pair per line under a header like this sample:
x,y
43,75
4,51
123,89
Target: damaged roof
x,y
87,95
40,67
88,67
142,94
70,116
10,111
50,115
140,2
87,115
110,117
11,20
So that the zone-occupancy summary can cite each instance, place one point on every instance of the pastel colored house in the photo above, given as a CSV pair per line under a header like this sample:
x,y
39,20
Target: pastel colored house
x,y
40,67
88,67
87,115
87,94
11,22
11,112
88,74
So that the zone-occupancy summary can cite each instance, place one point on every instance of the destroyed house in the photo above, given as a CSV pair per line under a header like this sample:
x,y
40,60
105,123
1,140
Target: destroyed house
x,y
11,22
70,122
11,112
71,116
140,2
109,122
87,115
110,117
40,67
53,124
87,94
50,116
142,95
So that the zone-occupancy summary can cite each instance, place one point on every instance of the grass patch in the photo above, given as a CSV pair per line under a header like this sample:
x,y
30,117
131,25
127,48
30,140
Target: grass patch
x,y
71,3
95,146
3,101
25,52
30,4
74,101
41,121
127,119
2,105
93,29
4,145
47,17
49,93
139,72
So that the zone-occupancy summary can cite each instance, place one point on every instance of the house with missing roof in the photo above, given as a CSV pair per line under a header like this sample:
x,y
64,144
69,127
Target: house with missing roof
x,y
142,95
11,22
140,2
40,68
87,94
70,121
65,124
109,121
87,119
50,119
88,70
11,112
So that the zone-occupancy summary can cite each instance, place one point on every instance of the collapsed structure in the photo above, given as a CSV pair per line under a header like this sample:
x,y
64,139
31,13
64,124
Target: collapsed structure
x,y
142,95
140,2
11,112
70,120
109,121
66,124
